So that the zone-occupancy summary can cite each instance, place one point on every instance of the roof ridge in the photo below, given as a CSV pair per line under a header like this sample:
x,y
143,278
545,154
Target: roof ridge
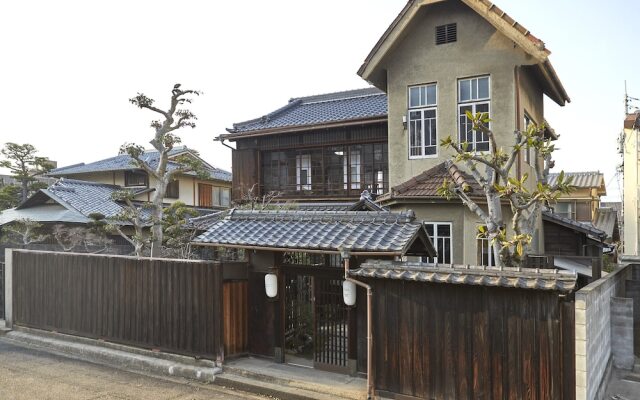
x,y
81,182
348,94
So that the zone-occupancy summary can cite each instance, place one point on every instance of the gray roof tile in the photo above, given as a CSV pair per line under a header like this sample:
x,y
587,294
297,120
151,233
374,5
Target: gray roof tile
x,y
586,228
587,179
320,109
523,278
123,162
355,231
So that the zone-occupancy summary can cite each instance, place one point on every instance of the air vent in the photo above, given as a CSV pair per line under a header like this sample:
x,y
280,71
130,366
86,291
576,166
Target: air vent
x,y
446,33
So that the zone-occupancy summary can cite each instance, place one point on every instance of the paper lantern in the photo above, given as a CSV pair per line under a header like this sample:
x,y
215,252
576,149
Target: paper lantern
x,y
271,285
349,293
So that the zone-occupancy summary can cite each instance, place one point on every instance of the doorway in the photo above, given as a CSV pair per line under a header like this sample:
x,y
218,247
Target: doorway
x,y
316,322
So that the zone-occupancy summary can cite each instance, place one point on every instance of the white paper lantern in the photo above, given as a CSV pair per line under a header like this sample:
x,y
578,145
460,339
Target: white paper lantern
x,y
349,293
271,285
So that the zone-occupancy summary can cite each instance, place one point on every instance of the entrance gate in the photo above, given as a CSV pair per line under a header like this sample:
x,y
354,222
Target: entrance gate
x,y
316,321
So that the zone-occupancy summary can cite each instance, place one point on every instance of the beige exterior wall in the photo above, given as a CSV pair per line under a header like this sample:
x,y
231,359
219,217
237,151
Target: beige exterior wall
x,y
188,185
631,187
479,50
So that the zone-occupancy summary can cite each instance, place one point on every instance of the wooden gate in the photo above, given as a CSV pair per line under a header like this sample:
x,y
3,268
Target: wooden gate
x,y
331,320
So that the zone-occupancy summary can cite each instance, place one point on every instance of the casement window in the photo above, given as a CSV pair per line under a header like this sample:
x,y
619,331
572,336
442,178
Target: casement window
x,y
528,152
136,178
173,190
473,96
221,196
440,235
485,253
351,169
303,172
422,121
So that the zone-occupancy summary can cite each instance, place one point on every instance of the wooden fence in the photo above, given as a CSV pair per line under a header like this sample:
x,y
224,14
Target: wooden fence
x,y
441,341
170,305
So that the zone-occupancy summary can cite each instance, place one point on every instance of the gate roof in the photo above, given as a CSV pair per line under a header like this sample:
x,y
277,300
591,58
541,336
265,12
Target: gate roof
x,y
357,232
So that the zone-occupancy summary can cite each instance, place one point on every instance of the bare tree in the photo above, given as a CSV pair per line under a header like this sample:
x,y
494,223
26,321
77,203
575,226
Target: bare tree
x,y
25,232
163,142
131,215
499,184
253,201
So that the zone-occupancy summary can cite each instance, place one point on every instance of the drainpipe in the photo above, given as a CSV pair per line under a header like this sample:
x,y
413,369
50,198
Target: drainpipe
x,y
221,140
370,388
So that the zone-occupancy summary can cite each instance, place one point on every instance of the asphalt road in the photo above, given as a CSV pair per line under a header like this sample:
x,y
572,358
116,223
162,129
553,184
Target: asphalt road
x,y
32,374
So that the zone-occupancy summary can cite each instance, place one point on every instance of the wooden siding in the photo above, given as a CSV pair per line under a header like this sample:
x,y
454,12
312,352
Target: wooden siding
x,y
205,195
245,165
440,341
171,305
235,308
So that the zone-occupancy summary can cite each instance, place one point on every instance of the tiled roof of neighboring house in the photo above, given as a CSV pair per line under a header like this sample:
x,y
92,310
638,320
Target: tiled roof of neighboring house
x,y
80,198
632,121
360,205
606,219
523,278
44,213
351,105
582,227
331,231
493,15
123,162
204,222
586,179
426,184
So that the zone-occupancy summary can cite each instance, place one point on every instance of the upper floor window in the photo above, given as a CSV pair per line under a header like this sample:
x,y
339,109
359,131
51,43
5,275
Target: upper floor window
x,y
303,171
173,190
485,252
528,156
135,178
422,121
446,33
474,97
440,235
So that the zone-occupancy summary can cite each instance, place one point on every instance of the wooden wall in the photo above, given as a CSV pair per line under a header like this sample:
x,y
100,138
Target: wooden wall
x,y
171,305
441,341
245,165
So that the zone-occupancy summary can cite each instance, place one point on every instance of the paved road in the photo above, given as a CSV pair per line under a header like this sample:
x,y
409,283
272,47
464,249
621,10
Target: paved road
x,y
34,375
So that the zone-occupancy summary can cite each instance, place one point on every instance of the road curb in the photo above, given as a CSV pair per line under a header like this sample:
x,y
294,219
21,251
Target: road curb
x,y
114,355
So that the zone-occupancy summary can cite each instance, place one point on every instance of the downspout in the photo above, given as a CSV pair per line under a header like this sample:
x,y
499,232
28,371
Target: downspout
x,y
221,140
370,389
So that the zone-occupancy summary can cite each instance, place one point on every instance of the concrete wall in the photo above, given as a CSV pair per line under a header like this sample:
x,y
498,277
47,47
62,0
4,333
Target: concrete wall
x,y
631,187
479,50
593,332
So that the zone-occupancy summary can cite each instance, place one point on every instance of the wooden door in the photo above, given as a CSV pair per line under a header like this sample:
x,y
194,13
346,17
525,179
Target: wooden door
x,y
205,198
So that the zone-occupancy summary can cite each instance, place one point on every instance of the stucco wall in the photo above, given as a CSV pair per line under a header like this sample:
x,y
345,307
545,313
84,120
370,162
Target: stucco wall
x,y
631,192
479,50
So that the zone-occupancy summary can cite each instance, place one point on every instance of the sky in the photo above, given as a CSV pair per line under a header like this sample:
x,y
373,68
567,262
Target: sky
x,y
68,68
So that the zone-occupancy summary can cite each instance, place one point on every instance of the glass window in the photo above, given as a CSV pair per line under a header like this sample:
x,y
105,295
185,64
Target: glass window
x,y
135,178
303,172
473,97
173,190
216,196
440,235
485,253
225,197
422,122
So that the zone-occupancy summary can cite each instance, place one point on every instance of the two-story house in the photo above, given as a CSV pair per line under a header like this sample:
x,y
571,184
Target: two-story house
x,y
438,60
213,192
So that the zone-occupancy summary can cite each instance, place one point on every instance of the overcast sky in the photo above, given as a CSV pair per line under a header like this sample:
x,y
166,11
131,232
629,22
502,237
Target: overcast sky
x,y
68,68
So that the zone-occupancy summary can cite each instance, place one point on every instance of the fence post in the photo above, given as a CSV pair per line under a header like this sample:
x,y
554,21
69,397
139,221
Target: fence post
x,y
8,288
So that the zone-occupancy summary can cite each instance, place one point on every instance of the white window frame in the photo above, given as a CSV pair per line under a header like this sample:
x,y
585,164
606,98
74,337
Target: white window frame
x,y
474,103
303,163
435,239
422,107
481,243
527,150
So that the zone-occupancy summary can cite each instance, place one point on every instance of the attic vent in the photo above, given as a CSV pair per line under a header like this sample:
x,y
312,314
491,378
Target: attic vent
x,y
446,33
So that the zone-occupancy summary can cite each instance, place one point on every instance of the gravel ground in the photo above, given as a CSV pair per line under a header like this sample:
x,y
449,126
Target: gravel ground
x,y
32,374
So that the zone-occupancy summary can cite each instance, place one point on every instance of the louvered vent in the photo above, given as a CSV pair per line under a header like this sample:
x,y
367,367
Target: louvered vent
x,y
446,33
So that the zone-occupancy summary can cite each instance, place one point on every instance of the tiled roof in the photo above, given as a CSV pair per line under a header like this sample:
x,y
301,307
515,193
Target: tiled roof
x,y
587,179
360,205
632,121
353,231
606,220
204,222
81,197
426,184
320,109
585,228
124,162
523,278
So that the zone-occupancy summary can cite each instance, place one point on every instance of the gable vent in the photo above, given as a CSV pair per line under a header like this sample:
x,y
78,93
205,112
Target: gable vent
x,y
446,33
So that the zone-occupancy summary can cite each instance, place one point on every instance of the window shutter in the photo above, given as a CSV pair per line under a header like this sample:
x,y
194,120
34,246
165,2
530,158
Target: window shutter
x,y
446,33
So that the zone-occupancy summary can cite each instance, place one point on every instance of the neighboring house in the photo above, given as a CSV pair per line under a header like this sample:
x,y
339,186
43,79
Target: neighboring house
x,y
581,204
631,208
213,192
316,148
11,180
437,61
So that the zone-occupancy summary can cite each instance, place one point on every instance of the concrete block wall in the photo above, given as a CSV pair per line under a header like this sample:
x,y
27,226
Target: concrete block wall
x,y
622,332
593,331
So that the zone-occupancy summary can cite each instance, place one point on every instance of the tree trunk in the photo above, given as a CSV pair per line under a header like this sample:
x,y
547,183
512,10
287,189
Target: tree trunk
x,y
25,189
157,213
